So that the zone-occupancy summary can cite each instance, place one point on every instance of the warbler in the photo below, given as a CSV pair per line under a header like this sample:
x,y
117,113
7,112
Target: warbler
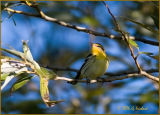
x,y
95,64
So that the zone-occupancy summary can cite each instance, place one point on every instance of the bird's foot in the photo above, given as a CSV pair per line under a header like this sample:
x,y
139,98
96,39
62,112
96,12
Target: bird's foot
x,y
100,79
74,82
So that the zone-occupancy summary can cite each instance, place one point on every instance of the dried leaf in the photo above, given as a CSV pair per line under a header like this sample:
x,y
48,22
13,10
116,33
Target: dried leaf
x,y
11,66
53,103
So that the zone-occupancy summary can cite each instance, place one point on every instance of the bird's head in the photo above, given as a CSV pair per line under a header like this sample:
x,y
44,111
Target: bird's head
x,y
97,49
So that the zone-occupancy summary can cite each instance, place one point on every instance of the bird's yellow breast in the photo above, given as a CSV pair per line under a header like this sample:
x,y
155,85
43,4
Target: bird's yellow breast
x,y
96,69
98,53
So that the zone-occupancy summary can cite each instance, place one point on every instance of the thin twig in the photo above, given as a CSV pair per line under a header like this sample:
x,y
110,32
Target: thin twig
x,y
141,72
124,36
78,28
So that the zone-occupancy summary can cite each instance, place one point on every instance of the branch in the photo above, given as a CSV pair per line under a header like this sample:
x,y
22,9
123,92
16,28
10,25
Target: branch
x,y
150,76
107,73
21,12
129,74
142,72
78,28
110,79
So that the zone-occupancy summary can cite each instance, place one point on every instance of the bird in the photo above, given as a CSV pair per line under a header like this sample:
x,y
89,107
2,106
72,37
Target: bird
x,y
95,65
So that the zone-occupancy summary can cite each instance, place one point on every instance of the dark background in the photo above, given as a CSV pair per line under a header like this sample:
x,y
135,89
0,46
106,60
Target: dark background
x,y
56,46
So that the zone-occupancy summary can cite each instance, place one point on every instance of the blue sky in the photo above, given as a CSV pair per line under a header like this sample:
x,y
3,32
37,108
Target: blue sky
x,y
38,32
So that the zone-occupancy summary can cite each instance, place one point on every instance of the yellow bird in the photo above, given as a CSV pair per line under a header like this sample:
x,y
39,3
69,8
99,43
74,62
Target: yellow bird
x,y
95,64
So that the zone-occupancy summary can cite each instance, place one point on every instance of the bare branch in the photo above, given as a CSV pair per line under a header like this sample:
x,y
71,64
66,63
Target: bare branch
x,y
124,36
107,73
21,12
150,76
142,72
109,79
78,28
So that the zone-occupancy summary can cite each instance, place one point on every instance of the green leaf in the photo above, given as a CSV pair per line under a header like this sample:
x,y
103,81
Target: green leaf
x,y
44,89
4,76
45,93
46,75
133,43
10,58
142,25
49,74
18,85
150,55
28,55
91,21
24,78
147,53
27,51
155,57
14,52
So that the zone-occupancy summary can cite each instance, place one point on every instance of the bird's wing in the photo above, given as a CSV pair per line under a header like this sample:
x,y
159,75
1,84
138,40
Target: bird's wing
x,y
85,64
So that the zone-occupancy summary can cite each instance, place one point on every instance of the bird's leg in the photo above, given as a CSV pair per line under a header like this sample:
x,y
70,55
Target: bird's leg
x,y
88,80
73,82
100,79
